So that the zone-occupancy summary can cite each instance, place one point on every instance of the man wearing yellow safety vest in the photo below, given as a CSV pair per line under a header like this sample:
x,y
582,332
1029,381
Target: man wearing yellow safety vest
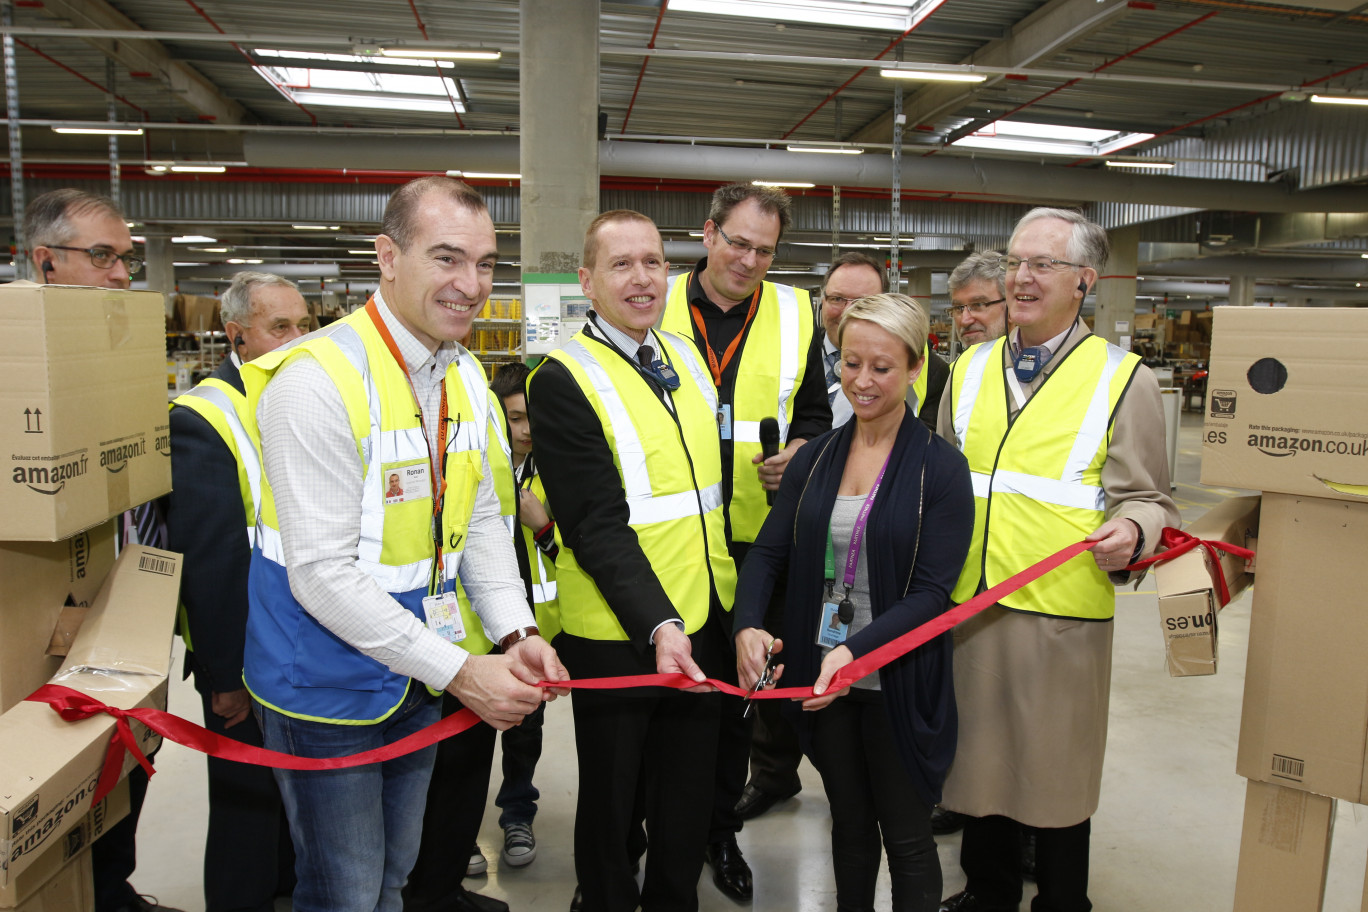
x,y
626,435
354,629
764,357
211,519
852,276
1064,434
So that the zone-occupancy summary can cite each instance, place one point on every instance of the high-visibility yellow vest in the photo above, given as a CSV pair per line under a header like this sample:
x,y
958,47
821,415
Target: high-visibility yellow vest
x,y
773,363
220,404
545,603
293,664
1038,479
675,507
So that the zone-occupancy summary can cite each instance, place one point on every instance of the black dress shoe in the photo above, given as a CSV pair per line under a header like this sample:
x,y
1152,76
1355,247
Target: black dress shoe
x,y
474,902
731,874
1028,854
577,901
755,802
944,822
964,901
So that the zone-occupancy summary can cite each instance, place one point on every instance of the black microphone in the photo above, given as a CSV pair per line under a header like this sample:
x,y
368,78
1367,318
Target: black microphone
x,y
769,446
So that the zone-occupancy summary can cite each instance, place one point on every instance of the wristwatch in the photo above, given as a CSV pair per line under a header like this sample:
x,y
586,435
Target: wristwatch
x,y
518,636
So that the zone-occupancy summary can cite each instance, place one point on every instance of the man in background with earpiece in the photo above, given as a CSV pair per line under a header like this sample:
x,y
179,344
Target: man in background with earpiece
x,y
1064,434
216,484
80,238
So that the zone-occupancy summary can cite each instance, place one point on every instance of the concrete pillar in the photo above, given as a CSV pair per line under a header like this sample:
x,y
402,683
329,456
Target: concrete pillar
x,y
918,286
161,274
1114,304
1241,290
558,60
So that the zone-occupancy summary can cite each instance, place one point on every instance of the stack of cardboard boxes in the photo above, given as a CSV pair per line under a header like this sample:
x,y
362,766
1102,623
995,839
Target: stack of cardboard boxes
x,y
1288,415
83,427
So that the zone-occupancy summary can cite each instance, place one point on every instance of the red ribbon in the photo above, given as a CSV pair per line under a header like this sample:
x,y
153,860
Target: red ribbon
x,y
1177,542
73,704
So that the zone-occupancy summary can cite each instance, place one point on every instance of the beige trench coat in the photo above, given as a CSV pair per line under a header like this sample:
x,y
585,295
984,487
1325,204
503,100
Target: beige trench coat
x,y
1032,690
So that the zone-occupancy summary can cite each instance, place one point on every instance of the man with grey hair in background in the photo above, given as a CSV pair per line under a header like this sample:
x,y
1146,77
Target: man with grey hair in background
x,y
80,238
211,519
1064,433
978,298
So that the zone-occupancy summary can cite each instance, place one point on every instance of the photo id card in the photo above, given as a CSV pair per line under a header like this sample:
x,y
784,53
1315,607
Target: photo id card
x,y
724,421
444,616
830,631
406,482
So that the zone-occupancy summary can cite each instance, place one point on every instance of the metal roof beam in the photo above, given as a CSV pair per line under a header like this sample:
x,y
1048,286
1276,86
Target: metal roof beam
x,y
1051,28
148,56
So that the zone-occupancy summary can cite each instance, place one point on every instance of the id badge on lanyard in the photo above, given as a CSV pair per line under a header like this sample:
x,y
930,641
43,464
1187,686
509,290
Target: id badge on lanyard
x,y
833,621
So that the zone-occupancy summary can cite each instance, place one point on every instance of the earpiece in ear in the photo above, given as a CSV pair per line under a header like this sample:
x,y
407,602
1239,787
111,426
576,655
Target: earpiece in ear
x,y
1083,285
47,266
238,341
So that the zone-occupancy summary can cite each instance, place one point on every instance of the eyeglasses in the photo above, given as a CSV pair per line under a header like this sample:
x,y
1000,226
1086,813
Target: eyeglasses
x,y
103,257
957,310
1039,265
840,301
741,247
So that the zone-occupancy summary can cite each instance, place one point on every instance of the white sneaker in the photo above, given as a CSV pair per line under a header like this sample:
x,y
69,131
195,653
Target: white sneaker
x,y
478,864
520,846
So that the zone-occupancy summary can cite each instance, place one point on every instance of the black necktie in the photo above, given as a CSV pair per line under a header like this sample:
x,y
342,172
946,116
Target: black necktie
x,y
646,356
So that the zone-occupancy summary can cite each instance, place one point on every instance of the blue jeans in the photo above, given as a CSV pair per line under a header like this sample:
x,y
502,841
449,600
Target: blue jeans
x,y
522,747
356,831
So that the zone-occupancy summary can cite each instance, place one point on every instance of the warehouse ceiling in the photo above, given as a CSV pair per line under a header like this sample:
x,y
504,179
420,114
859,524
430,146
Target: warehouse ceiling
x,y
1217,96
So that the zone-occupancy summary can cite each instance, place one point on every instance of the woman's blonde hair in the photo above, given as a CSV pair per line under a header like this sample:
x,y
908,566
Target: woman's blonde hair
x,y
896,314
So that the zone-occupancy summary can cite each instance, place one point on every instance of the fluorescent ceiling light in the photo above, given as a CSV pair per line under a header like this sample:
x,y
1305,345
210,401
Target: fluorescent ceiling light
x,y
1153,165
827,150
890,15
369,90
316,227
193,239
421,52
932,75
486,175
189,264
236,261
101,131
367,59
198,169
800,185
210,249
1050,139
700,234
362,252
1340,99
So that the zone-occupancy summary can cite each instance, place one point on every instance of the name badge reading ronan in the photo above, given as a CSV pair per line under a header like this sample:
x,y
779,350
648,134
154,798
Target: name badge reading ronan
x,y
444,616
406,482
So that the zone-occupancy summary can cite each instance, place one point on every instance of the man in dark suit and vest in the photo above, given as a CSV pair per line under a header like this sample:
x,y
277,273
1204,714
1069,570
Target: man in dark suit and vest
x,y
763,350
211,519
625,423
79,238
1064,434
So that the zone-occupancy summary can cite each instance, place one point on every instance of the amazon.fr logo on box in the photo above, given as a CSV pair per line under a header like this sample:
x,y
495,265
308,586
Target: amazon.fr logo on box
x,y
1222,403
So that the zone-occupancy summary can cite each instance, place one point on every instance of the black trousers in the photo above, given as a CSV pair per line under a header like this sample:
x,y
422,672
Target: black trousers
x,y
248,856
651,753
451,821
115,854
775,751
990,855
873,801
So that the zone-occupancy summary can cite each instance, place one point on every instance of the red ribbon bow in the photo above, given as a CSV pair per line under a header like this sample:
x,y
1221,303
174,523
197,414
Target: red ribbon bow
x,y
1177,542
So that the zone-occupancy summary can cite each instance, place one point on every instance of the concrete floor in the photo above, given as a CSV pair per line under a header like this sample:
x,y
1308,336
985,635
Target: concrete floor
x,y
1165,837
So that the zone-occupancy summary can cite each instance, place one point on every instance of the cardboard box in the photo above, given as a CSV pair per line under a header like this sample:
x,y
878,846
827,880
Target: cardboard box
x,y
196,313
84,428
1288,405
1189,594
72,889
1284,850
1304,723
77,842
37,579
50,767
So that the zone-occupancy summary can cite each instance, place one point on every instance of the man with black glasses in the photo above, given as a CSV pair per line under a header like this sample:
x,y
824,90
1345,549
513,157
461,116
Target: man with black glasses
x,y
978,298
762,348
80,238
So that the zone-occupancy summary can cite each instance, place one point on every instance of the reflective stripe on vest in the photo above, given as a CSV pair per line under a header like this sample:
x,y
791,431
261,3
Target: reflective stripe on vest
x,y
664,481
244,447
1021,515
772,364
293,664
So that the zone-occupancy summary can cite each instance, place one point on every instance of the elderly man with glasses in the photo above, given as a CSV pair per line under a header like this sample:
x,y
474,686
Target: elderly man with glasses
x,y
761,345
978,298
1064,434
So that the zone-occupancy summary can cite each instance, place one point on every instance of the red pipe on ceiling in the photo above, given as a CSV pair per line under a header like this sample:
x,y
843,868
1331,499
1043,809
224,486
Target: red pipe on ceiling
x,y
195,6
645,60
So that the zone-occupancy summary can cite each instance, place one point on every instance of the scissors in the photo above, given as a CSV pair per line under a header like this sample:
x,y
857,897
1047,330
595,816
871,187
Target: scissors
x,y
766,679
